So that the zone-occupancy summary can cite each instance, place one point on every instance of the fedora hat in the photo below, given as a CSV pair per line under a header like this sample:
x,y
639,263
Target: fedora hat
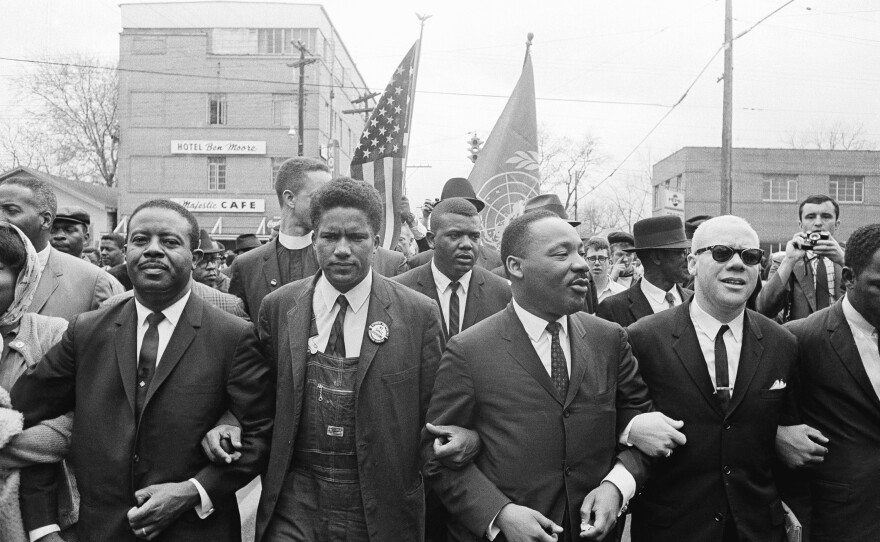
x,y
549,202
207,245
659,232
245,242
459,187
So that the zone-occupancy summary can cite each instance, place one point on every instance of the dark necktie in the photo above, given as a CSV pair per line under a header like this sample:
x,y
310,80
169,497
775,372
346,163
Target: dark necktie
x,y
670,299
336,343
147,360
558,368
722,377
453,309
822,295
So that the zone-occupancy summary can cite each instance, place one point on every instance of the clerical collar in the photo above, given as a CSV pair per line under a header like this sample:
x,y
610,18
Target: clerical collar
x,y
293,242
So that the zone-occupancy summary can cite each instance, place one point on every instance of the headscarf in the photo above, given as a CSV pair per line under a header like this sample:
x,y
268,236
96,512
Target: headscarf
x,y
25,286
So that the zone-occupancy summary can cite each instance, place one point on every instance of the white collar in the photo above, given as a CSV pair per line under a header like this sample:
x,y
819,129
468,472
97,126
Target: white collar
x,y
295,242
855,319
707,323
657,295
356,297
172,313
535,325
443,282
43,256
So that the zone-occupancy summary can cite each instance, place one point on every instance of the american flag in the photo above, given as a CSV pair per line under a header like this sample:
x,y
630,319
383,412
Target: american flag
x,y
380,157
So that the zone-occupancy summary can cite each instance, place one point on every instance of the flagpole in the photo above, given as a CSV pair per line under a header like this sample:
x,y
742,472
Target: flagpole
x,y
412,92
529,37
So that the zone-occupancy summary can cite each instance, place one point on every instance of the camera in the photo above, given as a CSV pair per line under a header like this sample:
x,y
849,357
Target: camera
x,y
809,241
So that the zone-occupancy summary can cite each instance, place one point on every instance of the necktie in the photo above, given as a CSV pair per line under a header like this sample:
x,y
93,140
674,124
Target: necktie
x,y
147,360
453,309
558,368
669,299
722,377
336,343
822,295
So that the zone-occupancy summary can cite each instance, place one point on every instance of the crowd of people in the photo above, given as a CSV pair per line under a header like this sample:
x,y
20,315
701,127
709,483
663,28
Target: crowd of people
x,y
675,377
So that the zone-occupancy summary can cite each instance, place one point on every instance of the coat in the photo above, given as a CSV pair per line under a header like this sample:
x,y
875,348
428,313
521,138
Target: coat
x,y
797,295
631,305
70,286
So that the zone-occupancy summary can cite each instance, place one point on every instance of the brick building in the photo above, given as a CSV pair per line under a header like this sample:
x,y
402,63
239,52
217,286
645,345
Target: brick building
x,y
768,185
213,132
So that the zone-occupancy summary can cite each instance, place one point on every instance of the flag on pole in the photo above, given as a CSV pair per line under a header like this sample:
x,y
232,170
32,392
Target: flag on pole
x,y
505,174
380,157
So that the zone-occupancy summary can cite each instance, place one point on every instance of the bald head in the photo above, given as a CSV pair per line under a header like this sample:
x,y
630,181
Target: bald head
x,y
708,232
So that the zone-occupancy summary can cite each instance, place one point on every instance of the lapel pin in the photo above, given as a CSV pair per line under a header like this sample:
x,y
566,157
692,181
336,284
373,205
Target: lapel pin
x,y
273,283
378,332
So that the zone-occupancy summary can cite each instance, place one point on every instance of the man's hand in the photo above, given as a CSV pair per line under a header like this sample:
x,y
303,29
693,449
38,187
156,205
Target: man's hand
x,y
406,214
455,447
599,511
220,444
521,524
618,267
793,250
800,445
159,505
829,248
656,434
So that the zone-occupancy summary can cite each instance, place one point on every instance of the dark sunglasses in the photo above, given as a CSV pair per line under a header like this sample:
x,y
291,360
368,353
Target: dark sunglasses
x,y
723,253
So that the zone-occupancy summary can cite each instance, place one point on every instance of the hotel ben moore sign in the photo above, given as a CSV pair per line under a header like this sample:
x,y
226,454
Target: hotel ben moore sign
x,y
217,147
224,205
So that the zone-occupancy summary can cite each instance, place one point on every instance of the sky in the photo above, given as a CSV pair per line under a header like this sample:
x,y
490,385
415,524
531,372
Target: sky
x,y
607,69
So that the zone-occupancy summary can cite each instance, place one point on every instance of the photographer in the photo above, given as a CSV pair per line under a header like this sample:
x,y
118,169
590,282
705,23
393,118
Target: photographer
x,y
808,278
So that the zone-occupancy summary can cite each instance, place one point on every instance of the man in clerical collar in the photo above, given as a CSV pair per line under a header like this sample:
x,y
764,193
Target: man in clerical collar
x,y
355,355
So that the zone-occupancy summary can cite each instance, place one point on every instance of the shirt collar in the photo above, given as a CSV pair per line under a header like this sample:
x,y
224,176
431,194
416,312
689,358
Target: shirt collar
x,y
707,323
855,319
172,313
43,256
656,294
356,297
295,242
443,282
535,325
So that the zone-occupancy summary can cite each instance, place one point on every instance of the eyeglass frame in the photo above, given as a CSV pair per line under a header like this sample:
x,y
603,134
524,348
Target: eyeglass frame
x,y
594,259
733,251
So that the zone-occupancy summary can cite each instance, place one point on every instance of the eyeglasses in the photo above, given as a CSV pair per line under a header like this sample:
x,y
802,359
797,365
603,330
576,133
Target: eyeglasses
x,y
723,253
594,259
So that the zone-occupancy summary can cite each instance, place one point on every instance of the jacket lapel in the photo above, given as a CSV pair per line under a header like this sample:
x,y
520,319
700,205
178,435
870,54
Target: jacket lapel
x,y
379,303
270,268
639,307
126,348
750,358
581,360
844,346
520,349
474,301
49,281
427,286
299,323
803,273
687,347
184,333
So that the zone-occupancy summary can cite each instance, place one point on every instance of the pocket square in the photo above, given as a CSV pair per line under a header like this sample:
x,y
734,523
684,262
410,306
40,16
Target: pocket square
x,y
778,385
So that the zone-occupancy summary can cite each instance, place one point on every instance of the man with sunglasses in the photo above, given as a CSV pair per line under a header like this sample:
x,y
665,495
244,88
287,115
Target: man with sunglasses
x,y
722,370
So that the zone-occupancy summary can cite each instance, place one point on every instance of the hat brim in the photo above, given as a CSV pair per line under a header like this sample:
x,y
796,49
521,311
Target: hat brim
x,y
574,223
478,203
672,246
71,220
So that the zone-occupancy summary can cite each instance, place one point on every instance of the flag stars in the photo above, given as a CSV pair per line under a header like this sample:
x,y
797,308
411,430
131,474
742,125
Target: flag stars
x,y
382,130
373,122
398,90
382,112
374,142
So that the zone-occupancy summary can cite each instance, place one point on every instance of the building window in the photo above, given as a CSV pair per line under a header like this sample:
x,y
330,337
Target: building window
x,y
216,173
279,41
276,165
283,110
847,189
780,188
658,196
216,109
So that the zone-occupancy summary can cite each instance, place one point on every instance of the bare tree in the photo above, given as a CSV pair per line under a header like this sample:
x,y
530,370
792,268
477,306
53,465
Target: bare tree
x,y
71,128
566,165
835,136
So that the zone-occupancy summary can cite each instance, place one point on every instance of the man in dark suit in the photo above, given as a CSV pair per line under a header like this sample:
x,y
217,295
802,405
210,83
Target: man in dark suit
x,y
662,247
548,389
722,370
157,372
808,277
68,285
338,465
836,386
290,256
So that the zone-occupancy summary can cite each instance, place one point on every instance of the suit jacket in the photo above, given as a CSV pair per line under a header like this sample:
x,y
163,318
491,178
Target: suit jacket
x,y
799,288
255,273
487,258
539,450
487,294
631,305
394,383
836,397
212,364
70,286
726,463
225,302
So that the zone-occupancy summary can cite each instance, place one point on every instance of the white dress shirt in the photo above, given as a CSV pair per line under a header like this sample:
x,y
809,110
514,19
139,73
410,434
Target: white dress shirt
x,y
626,282
444,293
611,288
325,309
536,329
657,297
707,328
865,336
43,257
295,242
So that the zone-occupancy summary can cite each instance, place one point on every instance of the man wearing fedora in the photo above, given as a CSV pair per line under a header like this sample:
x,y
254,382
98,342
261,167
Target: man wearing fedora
x,y
459,187
206,263
662,247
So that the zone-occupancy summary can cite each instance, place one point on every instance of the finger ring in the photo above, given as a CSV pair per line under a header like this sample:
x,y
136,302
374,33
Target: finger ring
x,y
668,453
143,532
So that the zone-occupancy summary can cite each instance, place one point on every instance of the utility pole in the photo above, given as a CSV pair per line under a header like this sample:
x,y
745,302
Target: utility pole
x,y
301,64
727,114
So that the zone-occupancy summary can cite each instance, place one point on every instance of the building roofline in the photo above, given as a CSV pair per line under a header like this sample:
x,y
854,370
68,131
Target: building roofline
x,y
775,149
70,187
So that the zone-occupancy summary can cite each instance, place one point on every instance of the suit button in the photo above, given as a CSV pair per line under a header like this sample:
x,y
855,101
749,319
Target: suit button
x,y
566,413
726,469
568,471
719,517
